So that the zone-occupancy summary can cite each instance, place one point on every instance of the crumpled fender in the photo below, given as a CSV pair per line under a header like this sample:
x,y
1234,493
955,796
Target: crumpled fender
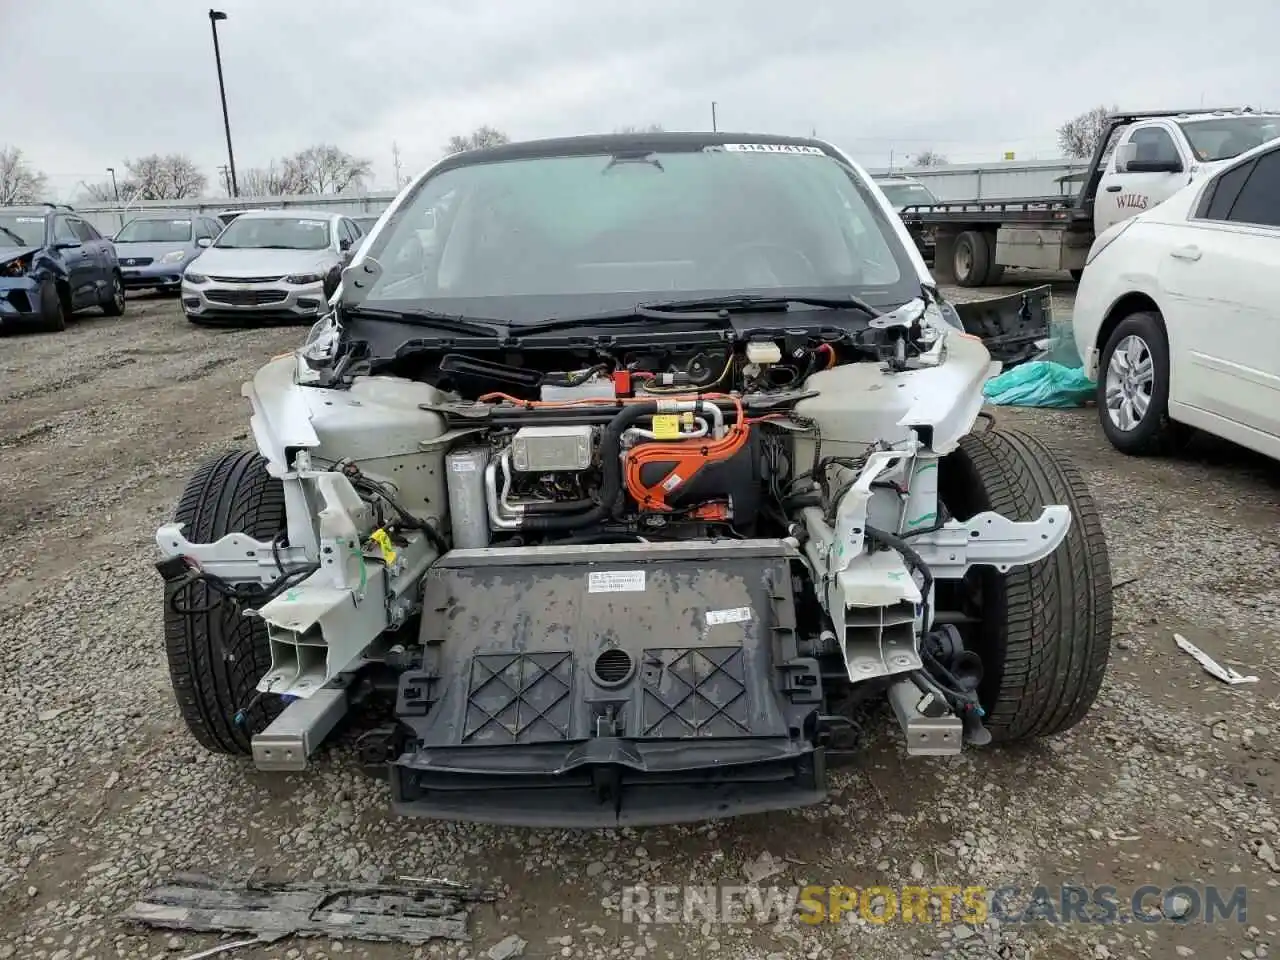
x,y
862,403
281,418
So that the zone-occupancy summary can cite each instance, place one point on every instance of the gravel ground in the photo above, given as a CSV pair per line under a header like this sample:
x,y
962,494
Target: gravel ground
x,y
1171,780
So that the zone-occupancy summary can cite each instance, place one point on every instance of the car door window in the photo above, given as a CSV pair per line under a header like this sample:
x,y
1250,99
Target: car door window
x,y
1259,200
84,230
1221,195
1154,145
62,232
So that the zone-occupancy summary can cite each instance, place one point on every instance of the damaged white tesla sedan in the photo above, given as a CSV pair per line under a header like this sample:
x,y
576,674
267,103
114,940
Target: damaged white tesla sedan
x,y
625,497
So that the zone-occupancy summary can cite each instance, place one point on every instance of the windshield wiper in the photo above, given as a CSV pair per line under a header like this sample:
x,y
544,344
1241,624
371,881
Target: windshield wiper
x,y
702,308
18,237
471,326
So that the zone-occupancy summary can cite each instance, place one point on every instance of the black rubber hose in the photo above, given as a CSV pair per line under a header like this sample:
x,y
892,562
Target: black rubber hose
x,y
611,482
544,507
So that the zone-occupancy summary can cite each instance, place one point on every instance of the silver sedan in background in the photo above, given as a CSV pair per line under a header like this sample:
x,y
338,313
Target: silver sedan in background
x,y
270,265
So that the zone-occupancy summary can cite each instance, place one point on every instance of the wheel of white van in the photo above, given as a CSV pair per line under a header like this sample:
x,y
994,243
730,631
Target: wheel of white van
x,y
113,305
216,654
1133,387
970,259
1043,630
53,312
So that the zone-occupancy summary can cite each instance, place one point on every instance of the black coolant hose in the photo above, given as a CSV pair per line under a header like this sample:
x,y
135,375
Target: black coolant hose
x,y
611,482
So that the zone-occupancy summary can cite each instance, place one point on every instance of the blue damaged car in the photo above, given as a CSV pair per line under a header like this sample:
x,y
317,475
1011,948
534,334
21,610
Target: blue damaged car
x,y
53,263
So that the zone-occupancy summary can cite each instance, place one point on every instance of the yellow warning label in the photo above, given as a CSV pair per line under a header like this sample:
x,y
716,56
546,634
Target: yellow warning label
x,y
383,540
666,426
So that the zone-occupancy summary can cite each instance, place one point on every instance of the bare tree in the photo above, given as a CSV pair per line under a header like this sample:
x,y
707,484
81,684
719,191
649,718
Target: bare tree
x,y
19,183
477,139
1078,137
273,180
169,177
648,128
325,169
928,158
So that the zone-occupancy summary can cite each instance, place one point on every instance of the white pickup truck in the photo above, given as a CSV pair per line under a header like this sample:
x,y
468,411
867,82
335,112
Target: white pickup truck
x,y
1141,159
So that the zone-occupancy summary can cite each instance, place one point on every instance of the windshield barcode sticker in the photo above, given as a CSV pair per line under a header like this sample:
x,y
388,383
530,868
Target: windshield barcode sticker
x,y
616,581
732,615
463,466
774,148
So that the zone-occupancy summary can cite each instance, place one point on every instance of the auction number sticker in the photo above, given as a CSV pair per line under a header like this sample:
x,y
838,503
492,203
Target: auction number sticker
x,y
732,615
797,148
615,581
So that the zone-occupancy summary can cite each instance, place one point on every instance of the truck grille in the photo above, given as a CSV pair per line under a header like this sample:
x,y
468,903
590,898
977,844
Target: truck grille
x,y
246,298
245,279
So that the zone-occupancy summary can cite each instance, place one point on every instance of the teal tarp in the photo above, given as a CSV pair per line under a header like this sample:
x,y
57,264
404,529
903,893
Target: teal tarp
x,y
1040,383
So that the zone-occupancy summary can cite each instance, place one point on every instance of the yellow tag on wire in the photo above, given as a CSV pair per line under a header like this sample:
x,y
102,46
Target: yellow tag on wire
x,y
666,426
383,540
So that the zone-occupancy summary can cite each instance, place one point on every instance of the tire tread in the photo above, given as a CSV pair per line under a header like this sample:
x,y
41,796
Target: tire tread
x,y
216,658
1058,614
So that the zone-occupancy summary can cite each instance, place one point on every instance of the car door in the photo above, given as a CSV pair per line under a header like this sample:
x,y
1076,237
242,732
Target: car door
x,y
1222,276
78,259
1148,166
101,252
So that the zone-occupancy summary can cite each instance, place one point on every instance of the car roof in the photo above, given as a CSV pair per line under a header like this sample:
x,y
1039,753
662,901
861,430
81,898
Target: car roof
x,y
27,211
624,143
286,212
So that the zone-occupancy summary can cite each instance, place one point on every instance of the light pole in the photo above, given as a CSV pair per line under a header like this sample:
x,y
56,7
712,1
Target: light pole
x,y
713,116
116,189
214,17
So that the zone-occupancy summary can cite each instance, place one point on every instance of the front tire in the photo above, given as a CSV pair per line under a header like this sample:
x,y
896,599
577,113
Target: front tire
x,y
53,312
217,656
1133,387
1044,631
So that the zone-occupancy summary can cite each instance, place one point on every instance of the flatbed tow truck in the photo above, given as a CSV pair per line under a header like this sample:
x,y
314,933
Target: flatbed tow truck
x,y
1141,160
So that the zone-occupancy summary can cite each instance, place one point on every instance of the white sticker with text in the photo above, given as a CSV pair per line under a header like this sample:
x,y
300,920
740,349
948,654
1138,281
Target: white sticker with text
x,y
615,581
732,615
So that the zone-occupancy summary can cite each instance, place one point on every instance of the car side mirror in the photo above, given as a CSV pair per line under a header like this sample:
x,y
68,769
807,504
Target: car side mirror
x,y
204,242
344,244
1155,166
67,245
1125,154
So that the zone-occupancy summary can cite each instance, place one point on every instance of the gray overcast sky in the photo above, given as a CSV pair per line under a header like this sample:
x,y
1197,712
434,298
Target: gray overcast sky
x,y
89,84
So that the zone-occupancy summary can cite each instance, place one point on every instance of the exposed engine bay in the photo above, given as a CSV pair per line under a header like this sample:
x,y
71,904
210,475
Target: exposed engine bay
x,y
614,581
